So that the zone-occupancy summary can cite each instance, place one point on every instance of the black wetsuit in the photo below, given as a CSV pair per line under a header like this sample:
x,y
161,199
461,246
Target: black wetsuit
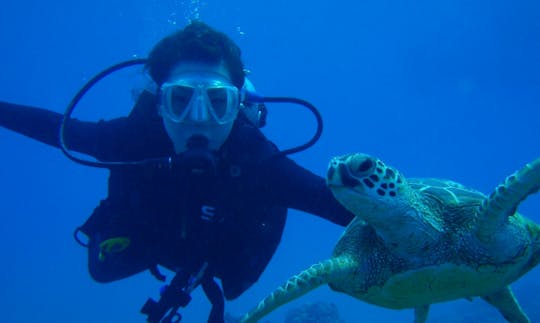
x,y
233,218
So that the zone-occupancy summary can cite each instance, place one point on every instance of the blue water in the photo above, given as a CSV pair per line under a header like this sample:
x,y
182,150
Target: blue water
x,y
436,88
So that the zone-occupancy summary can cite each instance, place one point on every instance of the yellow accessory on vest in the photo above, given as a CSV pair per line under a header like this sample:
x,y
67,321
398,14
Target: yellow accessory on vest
x,y
113,245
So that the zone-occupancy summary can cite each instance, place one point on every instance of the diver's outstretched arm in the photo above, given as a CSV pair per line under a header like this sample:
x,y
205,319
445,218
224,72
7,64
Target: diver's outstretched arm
x,y
39,124
298,188
123,138
44,125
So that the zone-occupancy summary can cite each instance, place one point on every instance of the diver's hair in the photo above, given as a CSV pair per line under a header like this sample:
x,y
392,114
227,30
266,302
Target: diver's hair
x,y
197,42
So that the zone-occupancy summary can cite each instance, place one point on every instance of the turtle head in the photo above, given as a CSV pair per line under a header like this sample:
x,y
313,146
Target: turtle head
x,y
381,196
362,182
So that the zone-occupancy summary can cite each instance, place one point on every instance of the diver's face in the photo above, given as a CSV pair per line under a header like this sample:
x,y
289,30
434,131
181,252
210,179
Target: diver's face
x,y
199,102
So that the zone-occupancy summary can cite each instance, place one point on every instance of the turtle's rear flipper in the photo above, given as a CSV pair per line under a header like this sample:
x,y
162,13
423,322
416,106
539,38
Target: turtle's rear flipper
x,y
507,304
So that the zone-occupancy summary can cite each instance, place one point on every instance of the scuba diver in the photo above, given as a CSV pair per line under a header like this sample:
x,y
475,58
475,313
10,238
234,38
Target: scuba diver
x,y
194,185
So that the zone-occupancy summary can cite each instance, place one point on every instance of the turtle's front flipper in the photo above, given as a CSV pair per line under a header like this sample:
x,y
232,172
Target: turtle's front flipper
x,y
421,313
504,201
330,270
507,304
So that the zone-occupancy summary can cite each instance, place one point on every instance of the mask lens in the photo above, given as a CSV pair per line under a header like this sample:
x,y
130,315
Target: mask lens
x,y
199,100
180,97
219,99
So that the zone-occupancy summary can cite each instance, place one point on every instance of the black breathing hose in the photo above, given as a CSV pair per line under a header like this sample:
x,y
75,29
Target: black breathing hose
x,y
251,98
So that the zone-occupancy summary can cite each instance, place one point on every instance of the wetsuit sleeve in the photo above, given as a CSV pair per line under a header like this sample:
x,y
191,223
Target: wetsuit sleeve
x,y
122,138
44,125
39,124
296,187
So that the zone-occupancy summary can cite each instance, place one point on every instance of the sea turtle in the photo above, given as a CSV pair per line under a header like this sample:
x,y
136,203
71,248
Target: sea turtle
x,y
415,242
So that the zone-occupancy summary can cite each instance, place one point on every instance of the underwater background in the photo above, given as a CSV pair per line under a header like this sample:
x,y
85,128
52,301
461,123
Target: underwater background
x,y
446,88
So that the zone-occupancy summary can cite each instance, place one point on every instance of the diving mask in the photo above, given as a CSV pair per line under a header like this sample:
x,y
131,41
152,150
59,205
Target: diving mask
x,y
200,100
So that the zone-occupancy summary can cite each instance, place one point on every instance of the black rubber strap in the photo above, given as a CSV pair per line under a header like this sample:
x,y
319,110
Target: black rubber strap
x,y
215,296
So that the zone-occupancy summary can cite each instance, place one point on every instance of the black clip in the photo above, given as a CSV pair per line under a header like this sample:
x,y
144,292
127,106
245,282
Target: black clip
x,y
172,297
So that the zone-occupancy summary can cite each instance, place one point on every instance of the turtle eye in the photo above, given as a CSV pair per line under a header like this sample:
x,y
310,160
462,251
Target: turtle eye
x,y
364,166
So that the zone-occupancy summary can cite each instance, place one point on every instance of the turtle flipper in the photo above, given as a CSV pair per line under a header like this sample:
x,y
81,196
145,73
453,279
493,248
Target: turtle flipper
x,y
421,313
504,201
321,273
507,305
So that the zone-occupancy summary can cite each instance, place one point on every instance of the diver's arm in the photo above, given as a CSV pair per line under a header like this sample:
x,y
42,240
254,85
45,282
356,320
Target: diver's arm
x,y
296,187
44,125
284,182
138,136
39,124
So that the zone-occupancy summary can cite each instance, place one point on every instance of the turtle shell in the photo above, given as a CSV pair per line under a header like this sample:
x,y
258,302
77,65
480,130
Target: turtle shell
x,y
447,192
